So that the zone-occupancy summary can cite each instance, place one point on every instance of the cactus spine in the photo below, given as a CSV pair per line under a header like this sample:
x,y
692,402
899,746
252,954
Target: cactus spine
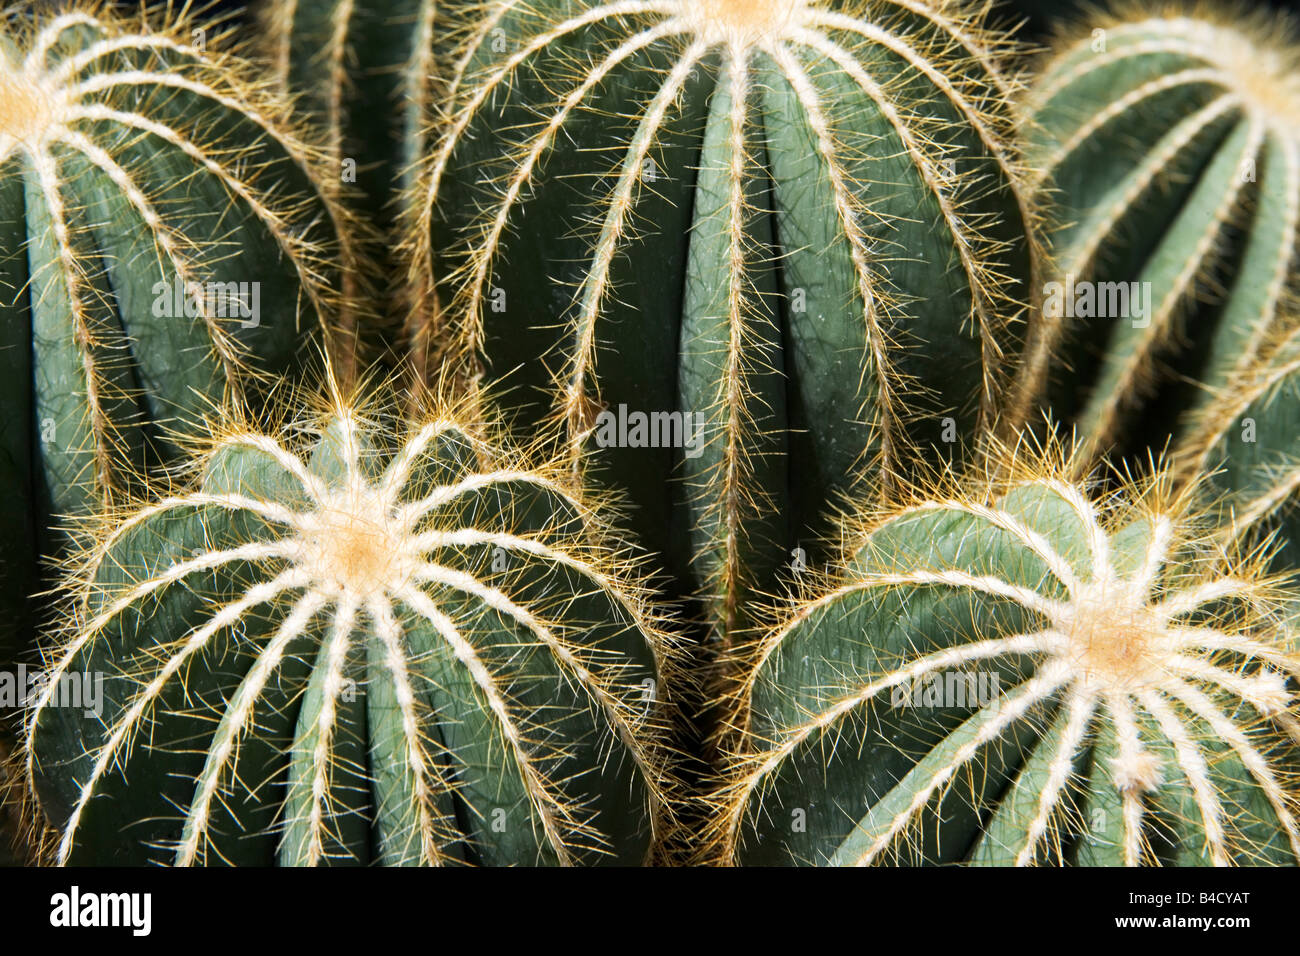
x,y
164,247
1169,144
416,652
793,220
1140,711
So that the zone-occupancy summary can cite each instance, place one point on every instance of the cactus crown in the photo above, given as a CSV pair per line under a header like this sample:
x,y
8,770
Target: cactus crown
x,y
737,23
421,654
1150,682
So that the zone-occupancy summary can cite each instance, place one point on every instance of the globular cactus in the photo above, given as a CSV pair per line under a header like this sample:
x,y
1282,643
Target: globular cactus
x,y
401,649
1013,673
1169,148
736,254
164,246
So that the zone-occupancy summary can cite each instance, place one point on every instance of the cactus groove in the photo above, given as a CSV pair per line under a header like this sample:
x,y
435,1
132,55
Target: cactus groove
x,y
366,72
1140,714
795,220
355,652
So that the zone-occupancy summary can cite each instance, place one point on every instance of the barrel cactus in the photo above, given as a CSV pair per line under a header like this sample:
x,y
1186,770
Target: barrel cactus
x,y
1169,146
166,246
736,255
400,650
1016,674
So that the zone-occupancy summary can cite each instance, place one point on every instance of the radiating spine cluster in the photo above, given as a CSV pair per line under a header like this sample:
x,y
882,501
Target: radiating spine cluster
x,y
1011,673
795,221
420,653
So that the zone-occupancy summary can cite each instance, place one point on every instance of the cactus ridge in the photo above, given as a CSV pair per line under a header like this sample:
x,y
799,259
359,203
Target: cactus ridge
x,y
824,56
1145,680
79,91
1205,96
481,685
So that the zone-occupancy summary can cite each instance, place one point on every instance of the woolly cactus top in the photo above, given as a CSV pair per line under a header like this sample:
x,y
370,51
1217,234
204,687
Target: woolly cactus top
x,y
1141,705
413,655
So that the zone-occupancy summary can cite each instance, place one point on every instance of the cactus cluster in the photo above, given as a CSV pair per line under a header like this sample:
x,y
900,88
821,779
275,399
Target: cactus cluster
x,y
708,499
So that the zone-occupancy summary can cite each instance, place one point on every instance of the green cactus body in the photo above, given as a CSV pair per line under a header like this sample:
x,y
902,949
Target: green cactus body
x,y
402,655
794,222
1019,678
1170,149
358,64
163,247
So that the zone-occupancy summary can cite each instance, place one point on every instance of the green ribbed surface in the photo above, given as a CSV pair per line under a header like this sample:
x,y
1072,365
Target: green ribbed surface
x,y
361,72
1159,169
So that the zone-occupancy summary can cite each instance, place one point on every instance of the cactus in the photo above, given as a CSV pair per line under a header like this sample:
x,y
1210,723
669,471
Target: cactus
x,y
400,651
1011,673
1168,145
794,221
165,247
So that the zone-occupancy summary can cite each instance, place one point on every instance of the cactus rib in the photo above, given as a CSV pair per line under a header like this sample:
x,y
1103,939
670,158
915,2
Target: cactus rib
x,y
1167,143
